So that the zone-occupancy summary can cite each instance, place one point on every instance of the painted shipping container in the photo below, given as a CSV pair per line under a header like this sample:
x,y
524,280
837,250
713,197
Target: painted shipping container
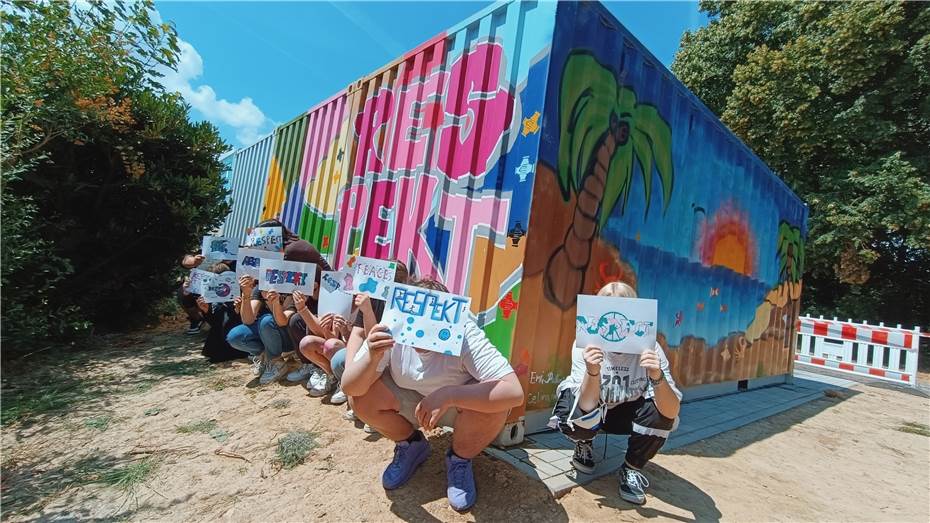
x,y
537,151
247,187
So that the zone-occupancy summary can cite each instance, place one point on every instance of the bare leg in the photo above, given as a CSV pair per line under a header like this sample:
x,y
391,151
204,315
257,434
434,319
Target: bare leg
x,y
475,430
380,409
311,347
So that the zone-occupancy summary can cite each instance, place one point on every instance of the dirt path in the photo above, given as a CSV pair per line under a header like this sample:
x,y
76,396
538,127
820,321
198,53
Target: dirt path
x,y
132,431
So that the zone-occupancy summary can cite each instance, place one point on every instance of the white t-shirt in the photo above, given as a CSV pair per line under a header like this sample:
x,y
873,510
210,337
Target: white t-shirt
x,y
622,378
427,371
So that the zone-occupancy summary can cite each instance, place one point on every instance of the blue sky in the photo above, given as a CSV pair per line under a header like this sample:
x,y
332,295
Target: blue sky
x,y
248,66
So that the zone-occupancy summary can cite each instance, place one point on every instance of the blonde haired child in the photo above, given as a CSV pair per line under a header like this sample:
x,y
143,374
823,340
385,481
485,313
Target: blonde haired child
x,y
618,393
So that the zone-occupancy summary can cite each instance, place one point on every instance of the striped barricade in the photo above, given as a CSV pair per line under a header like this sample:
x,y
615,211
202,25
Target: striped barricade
x,y
889,353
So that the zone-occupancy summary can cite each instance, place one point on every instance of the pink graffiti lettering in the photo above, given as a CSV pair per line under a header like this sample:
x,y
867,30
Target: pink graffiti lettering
x,y
468,107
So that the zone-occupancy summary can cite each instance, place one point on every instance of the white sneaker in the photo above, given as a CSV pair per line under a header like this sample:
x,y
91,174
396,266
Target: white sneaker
x,y
301,373
258,364
338,397
320,384
349,415
273,372
369,429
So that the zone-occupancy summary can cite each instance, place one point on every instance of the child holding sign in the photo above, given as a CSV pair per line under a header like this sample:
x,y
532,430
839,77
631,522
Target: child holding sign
x,y
618,393
399,388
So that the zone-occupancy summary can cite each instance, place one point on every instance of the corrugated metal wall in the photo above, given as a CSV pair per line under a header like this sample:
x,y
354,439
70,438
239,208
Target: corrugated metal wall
x,y
324,171
283,198
696,221
247,184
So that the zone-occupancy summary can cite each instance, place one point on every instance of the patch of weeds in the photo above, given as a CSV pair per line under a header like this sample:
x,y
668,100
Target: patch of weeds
x,y
154,411
915,428
178,368
100,423
129,477
143,386
203,426
219,434
23,403
280,403
221,383
294,447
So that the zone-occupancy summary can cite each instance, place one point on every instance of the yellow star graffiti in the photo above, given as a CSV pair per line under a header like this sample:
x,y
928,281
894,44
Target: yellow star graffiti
x,y
531,124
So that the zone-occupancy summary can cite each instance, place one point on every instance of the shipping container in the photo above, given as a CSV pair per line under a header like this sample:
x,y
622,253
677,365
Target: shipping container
x,y
537,151
247,187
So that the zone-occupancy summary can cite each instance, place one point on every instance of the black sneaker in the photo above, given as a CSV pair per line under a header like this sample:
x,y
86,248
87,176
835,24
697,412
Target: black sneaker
x,y
632,485
195,327
583,460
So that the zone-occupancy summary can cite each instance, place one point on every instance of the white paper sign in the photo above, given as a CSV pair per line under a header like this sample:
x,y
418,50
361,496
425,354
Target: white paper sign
x,y
249,261
220,288
197,278
374,277
332,298
616,324
287,276
427,319
266,239
219,247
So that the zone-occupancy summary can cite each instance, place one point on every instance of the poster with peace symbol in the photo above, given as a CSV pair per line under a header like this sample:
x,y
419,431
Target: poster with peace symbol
x,y
427,319
616,324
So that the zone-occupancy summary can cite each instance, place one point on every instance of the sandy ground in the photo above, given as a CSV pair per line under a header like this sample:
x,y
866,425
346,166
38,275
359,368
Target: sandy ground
x,y
834,459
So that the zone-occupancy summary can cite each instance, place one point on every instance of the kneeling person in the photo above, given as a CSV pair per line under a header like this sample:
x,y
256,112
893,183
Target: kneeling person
x,y
472,393
618,393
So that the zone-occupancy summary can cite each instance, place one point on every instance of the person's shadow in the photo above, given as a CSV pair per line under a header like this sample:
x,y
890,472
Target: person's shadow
x,y
664,485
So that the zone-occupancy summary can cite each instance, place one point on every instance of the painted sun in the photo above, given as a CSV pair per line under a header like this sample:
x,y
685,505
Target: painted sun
x,y
726,241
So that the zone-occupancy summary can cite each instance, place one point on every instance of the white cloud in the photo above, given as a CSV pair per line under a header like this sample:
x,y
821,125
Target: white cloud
x,y
244,116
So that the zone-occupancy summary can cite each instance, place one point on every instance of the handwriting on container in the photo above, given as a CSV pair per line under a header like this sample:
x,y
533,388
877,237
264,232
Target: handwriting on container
x,y
279,276
425,303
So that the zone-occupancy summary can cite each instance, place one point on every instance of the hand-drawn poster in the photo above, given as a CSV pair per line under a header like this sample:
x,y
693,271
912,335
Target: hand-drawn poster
x,y
374,277
333,300
197,279
616,324
221,288
249,261
427,319
266,239
219,247
287,276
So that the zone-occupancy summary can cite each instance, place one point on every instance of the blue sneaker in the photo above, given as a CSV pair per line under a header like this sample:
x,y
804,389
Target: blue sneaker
x,y
407,457
461,481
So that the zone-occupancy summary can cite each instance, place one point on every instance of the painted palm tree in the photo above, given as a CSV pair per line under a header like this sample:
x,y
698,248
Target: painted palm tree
x,y
790,253
602,130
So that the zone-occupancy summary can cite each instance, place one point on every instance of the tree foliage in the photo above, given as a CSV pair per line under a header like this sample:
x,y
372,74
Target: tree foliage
x,y
834,97
105,181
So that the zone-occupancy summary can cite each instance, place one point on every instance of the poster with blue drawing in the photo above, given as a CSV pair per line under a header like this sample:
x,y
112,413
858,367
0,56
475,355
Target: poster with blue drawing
x,y
374,277
286,277
616,324
427,319
219,247
220,288
266,239
197,279
333,299
249,261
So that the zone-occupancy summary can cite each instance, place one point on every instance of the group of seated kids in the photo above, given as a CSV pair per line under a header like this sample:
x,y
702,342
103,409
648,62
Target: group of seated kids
x,y
401,391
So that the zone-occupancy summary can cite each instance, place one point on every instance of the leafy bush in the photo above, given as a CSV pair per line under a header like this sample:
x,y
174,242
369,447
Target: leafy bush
x,y
106,183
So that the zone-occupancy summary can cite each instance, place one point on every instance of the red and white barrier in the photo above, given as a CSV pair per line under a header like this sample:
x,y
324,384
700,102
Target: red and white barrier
x,y
889,353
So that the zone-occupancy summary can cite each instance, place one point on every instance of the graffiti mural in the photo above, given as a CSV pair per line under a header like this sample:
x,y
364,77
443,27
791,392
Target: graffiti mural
x,y
637,182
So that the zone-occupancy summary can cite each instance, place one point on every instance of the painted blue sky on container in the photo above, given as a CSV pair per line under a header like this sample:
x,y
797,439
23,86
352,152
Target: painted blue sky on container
x,y
248,66
718,185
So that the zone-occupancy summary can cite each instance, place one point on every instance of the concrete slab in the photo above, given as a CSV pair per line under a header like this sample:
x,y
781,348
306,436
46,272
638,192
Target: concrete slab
x,y
547,456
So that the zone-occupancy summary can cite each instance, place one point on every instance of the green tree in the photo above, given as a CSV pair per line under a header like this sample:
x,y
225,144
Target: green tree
x,y
105,182
834,97
603,129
